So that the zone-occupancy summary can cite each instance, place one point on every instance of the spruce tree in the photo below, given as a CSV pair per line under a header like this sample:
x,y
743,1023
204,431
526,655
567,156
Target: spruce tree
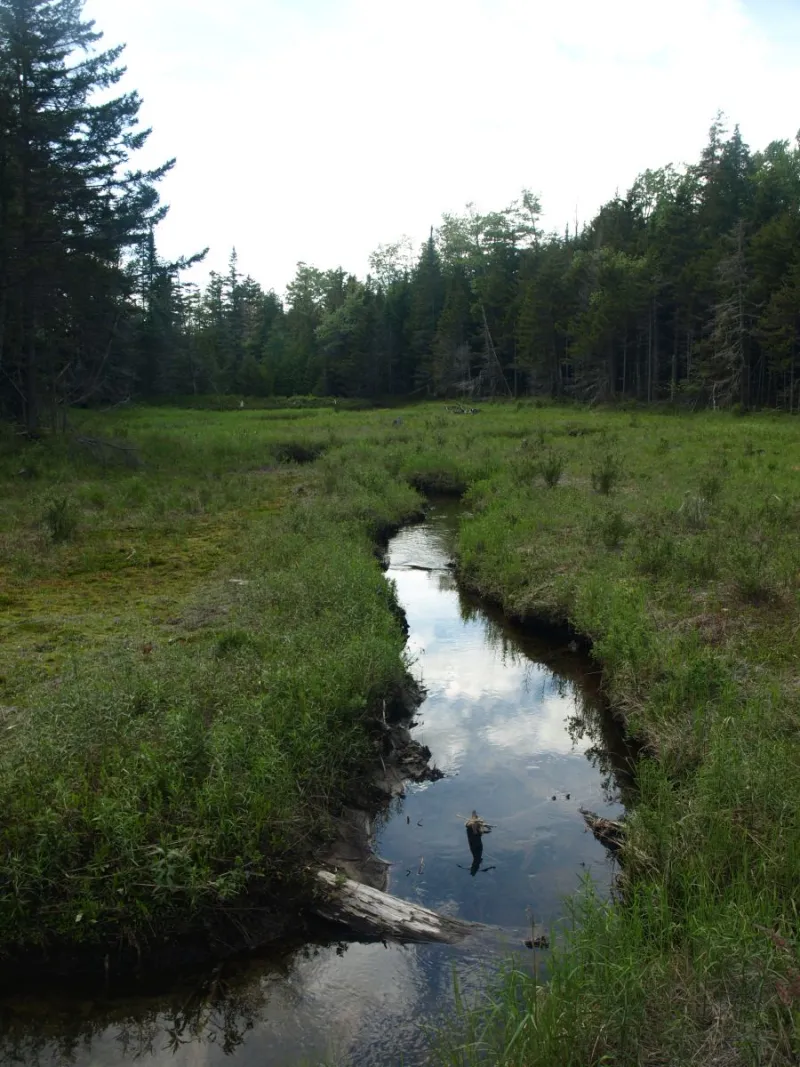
x,y
69,206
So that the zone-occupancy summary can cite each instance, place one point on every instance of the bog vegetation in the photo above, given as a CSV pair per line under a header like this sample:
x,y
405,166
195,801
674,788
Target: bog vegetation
x,y
189,659
194,623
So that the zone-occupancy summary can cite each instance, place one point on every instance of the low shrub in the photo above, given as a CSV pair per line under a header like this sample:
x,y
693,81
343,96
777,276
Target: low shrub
x,y
60,519
551,467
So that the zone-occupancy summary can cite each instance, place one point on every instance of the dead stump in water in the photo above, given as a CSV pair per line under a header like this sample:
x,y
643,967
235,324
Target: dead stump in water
x,y
609,832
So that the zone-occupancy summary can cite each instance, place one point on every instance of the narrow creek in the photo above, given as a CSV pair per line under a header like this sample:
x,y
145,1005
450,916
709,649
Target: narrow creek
x,y
518,727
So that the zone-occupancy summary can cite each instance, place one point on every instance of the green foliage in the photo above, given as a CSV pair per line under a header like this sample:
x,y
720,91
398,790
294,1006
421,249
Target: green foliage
x,y
613,528
61,519
62,150
655,552
551,467
684,290
753,570
606,472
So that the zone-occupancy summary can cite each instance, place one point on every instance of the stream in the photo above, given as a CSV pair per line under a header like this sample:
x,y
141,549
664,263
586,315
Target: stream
x,y
517,725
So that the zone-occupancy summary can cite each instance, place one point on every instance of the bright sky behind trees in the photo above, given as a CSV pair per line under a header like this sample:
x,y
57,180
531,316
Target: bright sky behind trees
x,y
315,129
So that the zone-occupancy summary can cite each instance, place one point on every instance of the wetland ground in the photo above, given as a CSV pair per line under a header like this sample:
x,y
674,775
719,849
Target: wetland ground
x,y
196,630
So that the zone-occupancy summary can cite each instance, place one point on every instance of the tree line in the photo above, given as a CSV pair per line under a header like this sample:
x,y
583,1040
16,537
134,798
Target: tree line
x,y
685,289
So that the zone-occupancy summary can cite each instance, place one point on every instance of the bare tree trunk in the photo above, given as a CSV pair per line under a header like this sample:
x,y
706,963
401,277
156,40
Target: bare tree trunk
x,y
653,380
3,313
625,364
30,385
612,372
371,913
791,382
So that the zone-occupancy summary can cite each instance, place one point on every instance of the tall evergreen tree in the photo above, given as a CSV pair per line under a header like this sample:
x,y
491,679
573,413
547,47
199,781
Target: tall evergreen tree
x,y
427,298
69,207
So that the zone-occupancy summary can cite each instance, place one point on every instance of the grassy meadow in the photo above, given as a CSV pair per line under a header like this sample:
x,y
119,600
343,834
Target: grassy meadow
x,y
194,627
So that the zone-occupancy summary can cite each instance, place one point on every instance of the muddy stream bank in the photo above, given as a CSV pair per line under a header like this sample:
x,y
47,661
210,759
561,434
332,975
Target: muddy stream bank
x,y
517,725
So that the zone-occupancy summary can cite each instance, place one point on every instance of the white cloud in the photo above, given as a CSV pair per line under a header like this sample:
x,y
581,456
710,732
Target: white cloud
x,y
317,130
537,732
479,698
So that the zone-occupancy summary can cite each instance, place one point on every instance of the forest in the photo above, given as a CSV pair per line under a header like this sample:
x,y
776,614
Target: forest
x,y
685,289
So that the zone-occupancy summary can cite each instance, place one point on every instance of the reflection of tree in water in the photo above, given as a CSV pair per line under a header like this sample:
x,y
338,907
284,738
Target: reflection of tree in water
x,y
219,1009
609,752
574,677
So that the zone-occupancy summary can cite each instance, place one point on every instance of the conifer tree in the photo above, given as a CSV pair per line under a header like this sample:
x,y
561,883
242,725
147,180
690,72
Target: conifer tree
x,y
69,207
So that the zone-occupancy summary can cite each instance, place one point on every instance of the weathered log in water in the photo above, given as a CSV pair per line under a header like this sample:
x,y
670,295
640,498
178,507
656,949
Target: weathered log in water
x,y
609,832
371,913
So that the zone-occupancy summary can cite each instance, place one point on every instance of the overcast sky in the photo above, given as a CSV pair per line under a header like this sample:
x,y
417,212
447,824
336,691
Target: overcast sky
x,y
316,129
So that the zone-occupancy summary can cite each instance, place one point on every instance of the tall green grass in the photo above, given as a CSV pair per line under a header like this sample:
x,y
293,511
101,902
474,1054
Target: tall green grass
x,y
207,764
174,767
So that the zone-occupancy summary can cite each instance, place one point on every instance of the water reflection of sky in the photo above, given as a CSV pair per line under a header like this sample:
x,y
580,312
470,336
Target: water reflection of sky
x,y
496,723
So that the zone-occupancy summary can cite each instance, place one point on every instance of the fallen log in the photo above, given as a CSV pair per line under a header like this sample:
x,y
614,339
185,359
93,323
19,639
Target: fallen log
x,y
371,913
609,832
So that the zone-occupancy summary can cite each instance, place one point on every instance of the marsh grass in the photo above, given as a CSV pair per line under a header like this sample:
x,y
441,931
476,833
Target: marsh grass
x,y
185,735
613,528
606,473
551,467
655,552
753,571
695,511
192,679
692,621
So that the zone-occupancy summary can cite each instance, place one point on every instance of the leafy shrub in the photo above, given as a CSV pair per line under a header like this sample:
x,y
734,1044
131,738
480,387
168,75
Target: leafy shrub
x,y
606,473
613,529
60,519
655,553
695,511
699,559
551,467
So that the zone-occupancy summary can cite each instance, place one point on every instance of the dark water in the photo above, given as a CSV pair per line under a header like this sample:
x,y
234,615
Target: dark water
x,y
517,726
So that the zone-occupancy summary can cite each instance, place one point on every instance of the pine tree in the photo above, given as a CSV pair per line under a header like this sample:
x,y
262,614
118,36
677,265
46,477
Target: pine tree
x,y
726,367
452,343
427,298
69,208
